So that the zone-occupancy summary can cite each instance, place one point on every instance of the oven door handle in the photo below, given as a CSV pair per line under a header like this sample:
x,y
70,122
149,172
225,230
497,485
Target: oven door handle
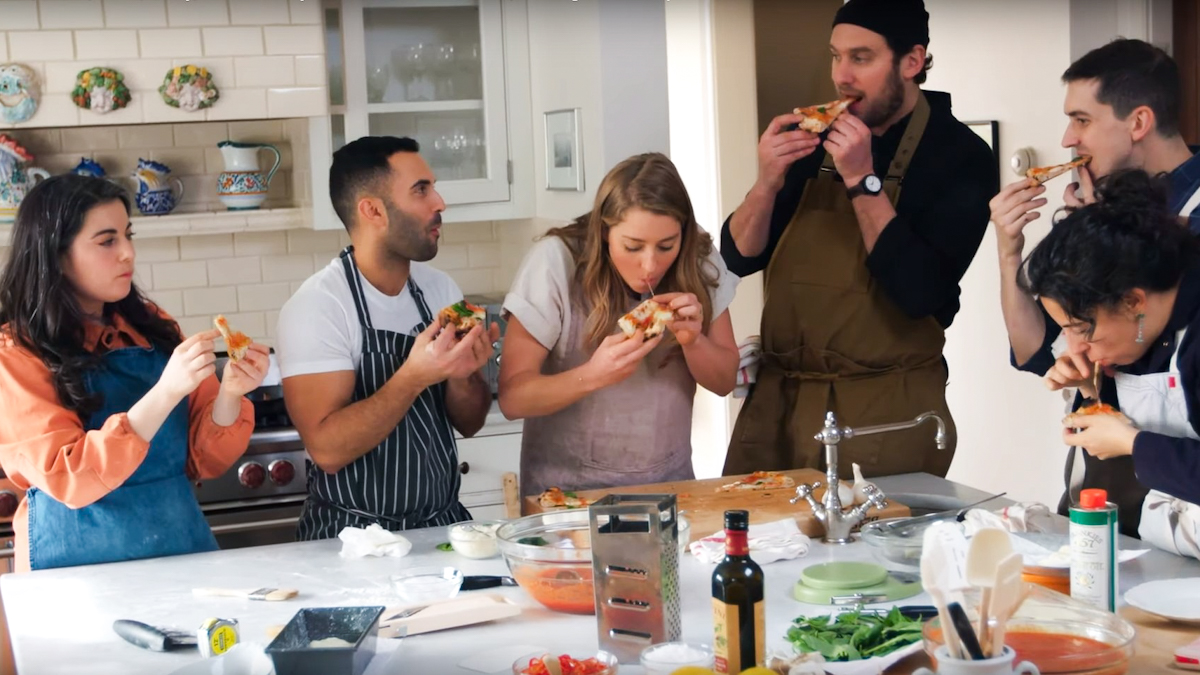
x,y
7,553
256,525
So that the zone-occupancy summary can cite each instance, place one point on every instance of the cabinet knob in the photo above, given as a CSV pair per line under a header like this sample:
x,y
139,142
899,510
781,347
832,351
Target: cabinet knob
x,y
9,502
464,468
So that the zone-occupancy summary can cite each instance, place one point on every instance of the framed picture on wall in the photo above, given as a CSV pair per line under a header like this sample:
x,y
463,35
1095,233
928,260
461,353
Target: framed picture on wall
x,y
564,150
989,131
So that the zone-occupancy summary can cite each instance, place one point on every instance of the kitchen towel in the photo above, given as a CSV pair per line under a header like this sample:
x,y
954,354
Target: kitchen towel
x,y
749,353
780,540
373,540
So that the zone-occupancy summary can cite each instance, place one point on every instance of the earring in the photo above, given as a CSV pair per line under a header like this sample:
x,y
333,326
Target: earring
x,y
1141,329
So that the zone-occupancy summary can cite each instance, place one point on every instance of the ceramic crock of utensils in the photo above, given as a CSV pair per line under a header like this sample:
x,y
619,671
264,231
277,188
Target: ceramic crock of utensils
x,y
635,562
988,547
940,574
999,665
966,634
1007,594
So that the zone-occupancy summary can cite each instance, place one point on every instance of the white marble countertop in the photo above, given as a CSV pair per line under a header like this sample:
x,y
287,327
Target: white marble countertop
x,y
60,620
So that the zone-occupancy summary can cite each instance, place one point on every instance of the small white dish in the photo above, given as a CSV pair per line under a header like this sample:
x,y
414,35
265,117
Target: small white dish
x,y
427,584
1175,599
475,538
667,657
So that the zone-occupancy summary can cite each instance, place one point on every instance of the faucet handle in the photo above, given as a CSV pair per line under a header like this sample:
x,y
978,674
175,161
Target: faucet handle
x,y
804,491
875,496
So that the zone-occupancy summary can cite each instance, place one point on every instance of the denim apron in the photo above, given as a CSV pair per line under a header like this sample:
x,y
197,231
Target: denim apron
x,y
153,513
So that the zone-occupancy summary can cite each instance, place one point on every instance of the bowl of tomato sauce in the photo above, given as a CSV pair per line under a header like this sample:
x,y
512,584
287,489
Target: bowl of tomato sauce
x,y
550,556
1057,634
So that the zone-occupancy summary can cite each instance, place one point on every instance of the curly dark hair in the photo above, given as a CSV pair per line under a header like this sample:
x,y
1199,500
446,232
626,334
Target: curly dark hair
x,y
1096,254
38,307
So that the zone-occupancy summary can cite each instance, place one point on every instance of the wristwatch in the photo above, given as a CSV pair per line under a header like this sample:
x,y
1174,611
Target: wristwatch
x,y
871,185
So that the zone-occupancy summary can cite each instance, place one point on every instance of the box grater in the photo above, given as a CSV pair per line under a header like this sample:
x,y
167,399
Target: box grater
x,y
635,564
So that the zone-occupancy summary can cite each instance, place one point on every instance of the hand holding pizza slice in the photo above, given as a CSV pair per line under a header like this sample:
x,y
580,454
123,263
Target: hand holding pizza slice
x,y
463,316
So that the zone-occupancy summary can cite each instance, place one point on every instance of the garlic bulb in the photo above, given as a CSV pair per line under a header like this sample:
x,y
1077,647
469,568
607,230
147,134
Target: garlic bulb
x,y
860,496
845,494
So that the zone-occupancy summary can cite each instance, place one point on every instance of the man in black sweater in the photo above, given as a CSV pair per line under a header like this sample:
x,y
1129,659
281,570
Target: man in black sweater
x,y
864,232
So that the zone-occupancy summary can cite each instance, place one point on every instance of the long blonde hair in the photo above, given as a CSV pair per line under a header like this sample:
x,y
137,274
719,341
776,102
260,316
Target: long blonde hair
x,y
649,182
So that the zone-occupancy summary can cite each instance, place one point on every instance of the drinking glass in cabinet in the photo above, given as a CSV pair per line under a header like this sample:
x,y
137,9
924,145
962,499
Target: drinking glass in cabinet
x,y
379,76
411,63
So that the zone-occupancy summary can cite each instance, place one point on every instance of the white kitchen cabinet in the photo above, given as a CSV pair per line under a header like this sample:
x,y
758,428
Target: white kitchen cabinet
x,y
454,75
483,460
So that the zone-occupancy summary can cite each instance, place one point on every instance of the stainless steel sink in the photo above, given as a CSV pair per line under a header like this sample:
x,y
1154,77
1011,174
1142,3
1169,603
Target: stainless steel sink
x,y
922,504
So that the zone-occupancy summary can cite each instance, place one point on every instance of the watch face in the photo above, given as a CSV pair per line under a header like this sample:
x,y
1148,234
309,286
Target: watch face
x,y
872,183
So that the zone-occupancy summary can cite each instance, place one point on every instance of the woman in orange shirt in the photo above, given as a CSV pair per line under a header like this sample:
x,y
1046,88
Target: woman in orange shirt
x,y
107,413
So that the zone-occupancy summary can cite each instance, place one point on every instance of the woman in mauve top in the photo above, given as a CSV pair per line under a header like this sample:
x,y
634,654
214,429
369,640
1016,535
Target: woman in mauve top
x,y
108,413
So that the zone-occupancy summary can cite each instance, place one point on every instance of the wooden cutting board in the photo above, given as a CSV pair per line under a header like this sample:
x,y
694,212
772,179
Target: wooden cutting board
x,y
706,507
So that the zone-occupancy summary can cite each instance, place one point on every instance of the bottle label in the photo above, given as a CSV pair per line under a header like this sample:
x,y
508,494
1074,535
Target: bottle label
x,y
726,640
1093,537
727,637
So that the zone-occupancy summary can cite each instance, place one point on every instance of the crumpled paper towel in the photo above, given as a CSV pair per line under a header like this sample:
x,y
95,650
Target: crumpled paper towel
x,y
1020,517
780,540
373,540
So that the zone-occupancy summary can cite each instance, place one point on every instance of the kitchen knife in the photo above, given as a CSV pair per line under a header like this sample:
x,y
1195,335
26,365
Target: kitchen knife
x,y
478,582
152,638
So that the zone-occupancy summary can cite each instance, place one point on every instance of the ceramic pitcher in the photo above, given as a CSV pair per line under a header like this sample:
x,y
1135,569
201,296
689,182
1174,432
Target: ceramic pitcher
x,y
15,177
999,665
242,186
154,196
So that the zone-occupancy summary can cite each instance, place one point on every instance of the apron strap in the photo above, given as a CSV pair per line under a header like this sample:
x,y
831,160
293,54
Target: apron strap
x,y
904,152
350,267
1174,367
360,299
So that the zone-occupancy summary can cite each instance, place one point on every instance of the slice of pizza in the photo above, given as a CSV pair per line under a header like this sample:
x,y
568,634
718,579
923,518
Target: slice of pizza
x,y
817,118
649,316
556,498
463,316
1041,174
236,342
760,480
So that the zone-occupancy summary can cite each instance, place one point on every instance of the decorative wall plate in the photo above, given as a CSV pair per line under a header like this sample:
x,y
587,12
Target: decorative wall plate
x,y
19,93
100,90
189,88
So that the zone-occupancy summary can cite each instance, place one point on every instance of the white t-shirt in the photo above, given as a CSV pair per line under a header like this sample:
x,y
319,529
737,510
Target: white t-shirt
x,y
319,330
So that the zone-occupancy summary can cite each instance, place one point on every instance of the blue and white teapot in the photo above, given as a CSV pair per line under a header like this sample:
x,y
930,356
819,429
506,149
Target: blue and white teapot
x,y
154,196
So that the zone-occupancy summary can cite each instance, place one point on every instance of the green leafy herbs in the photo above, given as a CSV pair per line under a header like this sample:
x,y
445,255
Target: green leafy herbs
x,y
821,109
854,635
445,546
462,309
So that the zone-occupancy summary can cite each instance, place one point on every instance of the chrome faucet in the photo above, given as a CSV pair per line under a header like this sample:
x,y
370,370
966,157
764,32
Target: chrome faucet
x,y
839,523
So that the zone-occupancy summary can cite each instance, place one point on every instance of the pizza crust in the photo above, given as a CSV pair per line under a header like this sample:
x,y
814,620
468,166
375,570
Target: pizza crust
x,y
236,342
1042,174
463,316
555,498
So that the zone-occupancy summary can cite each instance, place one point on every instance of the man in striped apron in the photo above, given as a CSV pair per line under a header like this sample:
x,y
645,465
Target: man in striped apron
x,y
1123,101
372,383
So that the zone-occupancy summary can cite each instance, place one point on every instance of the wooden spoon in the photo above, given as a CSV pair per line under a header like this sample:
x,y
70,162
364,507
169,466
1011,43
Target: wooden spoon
x,y
1007,596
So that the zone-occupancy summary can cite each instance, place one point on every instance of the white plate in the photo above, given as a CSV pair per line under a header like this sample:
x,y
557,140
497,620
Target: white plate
x,y
1176,599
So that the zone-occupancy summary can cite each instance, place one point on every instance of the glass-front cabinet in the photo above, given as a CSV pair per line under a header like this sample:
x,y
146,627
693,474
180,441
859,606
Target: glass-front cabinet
x,y
429,69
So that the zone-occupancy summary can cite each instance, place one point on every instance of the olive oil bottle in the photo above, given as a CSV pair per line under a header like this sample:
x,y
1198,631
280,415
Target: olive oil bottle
x,y
739,619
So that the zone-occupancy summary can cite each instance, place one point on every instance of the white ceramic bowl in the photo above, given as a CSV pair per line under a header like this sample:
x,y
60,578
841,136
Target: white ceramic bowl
x,y
475,538
667,657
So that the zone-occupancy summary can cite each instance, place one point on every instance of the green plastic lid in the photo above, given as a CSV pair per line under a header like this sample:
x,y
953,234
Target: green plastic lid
x,y
843,575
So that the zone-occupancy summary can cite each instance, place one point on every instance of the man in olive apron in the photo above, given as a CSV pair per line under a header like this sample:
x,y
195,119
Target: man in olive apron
x,y
864,233
1104,88
373,383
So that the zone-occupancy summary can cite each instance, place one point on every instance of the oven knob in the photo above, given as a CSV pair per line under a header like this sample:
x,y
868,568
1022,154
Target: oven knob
x,y
8,503
251,474
282,472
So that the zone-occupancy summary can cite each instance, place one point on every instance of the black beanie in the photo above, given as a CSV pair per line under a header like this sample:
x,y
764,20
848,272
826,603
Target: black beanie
x,y
903,23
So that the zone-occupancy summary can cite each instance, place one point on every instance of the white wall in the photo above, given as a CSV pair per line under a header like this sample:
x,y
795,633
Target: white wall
x,y
1008,423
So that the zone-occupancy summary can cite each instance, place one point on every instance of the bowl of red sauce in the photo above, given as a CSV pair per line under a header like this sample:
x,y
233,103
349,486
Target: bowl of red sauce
x,y
550,556
1058,634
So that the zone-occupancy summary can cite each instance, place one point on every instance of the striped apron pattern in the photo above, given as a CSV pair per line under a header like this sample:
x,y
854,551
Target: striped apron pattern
x,y
411,479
